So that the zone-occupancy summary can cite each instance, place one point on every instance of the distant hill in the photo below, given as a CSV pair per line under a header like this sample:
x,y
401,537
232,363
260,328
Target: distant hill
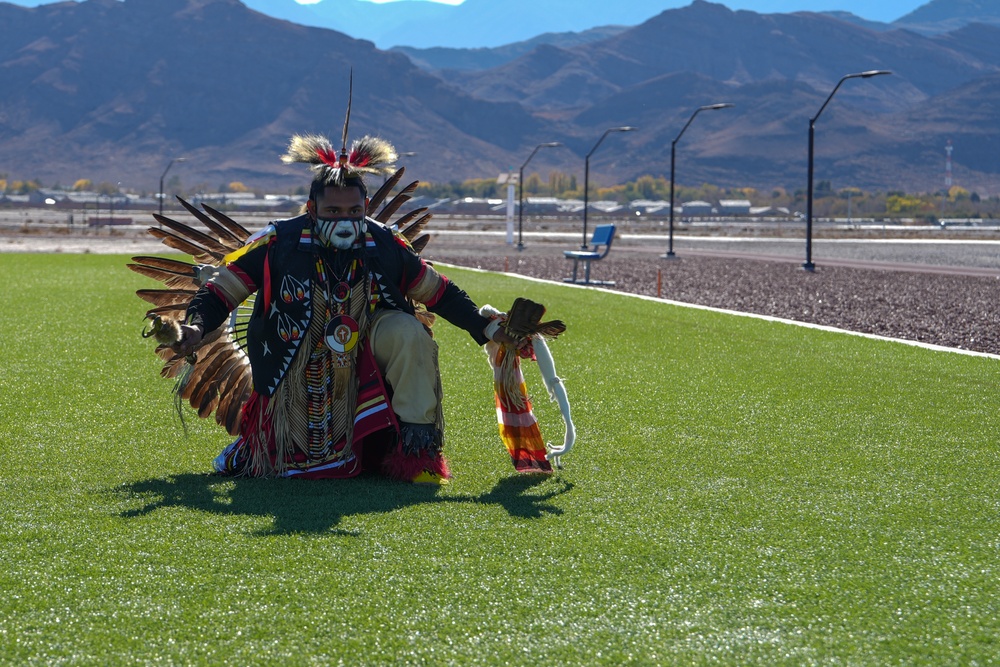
x,y
473,24
778,70
732,47
440,58
113,90
977,41
857,20
940,16
477,24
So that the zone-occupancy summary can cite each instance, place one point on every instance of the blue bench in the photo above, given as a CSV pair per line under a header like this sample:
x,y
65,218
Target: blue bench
x,y
600,245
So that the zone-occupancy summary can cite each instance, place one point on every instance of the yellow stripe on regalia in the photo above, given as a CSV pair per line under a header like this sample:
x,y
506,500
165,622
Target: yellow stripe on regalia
x,y
263,237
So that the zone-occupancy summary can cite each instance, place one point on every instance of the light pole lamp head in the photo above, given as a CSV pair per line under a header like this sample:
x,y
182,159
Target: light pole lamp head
x,y
873,72
548,144
623,128
712,107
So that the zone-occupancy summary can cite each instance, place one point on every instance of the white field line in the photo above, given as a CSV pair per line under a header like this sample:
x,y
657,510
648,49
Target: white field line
x,y
721,239
766,318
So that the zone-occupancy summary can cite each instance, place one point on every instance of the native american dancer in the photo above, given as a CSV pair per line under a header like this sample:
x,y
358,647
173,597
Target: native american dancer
x,y
334,371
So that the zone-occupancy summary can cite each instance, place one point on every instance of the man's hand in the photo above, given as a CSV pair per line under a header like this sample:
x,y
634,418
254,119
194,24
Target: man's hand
x,y
502,338
190,337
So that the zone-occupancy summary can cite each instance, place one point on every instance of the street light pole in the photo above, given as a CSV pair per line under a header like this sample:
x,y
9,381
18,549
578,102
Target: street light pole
x,y
808,265
586,177
164,175
520,191
673,155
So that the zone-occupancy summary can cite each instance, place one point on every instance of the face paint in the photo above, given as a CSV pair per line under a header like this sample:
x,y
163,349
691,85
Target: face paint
x,y
341,233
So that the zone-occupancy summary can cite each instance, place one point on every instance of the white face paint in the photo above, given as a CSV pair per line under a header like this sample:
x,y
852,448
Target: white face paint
x,y
341,233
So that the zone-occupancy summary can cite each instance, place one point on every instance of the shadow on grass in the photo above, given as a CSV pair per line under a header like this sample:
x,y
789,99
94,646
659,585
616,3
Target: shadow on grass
x,y
300,506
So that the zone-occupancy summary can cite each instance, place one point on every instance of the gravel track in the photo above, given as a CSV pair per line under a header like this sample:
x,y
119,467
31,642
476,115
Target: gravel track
x,y
959,311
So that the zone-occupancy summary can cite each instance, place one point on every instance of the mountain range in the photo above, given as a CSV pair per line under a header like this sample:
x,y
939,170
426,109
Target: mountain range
x,y
934,18
472,24
113,90
492,23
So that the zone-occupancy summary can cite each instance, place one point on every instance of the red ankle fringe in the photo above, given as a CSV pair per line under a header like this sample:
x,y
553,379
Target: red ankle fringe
x,y
406,467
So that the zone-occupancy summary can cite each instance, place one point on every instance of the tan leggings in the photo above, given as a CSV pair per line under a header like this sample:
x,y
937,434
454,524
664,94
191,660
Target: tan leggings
x,y
408,359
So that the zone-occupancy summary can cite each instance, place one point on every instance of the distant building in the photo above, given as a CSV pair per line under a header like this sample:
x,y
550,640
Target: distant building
x,y
571,206
765,211
696,208
734,207
77,198
474,206
542,205
238,198
605,206
650,206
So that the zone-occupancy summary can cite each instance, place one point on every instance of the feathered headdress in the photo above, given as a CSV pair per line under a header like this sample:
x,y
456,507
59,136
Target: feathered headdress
x,y
368,155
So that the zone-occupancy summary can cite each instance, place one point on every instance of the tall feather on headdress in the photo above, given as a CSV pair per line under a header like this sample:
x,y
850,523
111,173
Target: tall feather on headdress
x,y
368,155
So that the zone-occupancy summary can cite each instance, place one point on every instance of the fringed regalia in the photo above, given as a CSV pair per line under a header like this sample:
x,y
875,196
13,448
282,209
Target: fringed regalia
x,y
331,404
519,429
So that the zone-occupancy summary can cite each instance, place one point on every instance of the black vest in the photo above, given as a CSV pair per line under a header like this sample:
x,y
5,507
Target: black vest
x,y
283,307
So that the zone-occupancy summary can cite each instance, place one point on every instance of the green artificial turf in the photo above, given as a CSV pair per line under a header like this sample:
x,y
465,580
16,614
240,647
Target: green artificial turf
x,y
741,492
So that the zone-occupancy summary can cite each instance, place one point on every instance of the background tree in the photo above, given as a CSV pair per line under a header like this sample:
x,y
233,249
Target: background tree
x,y
957,193
23,187
533,185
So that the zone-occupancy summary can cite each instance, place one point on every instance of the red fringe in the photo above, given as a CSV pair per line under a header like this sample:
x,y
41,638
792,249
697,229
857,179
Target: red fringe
x,y
406,467
256,431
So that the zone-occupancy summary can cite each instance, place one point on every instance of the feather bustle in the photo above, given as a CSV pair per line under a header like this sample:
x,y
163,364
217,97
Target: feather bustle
x,y
408,224
175,310
166,297
209,375
210,401
376,200
171,240
171,279
203,357
236,229
165,263
237,398
420,243
210,244
418,226
227,238
393,205
229,373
